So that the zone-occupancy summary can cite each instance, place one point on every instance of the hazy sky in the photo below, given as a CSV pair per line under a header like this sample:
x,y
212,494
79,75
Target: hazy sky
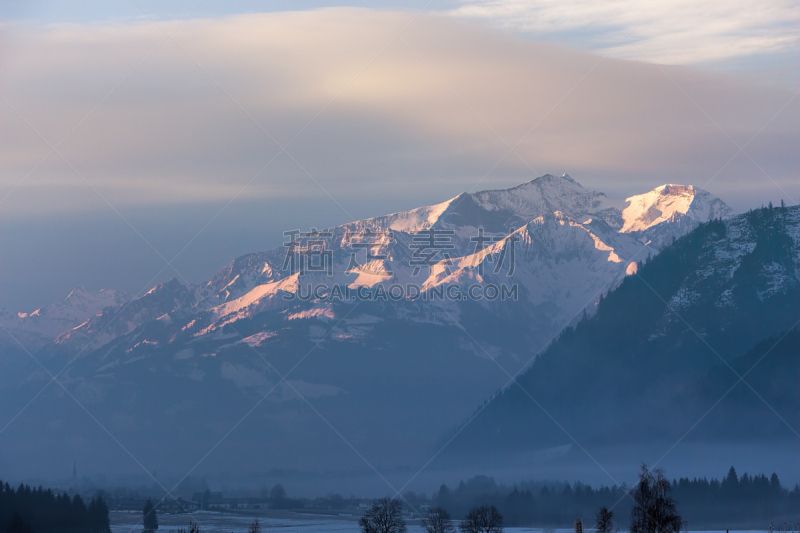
x,y
238,120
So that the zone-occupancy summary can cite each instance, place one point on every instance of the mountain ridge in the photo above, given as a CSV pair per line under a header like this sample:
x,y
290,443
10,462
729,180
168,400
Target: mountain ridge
x,y
41,326
499,212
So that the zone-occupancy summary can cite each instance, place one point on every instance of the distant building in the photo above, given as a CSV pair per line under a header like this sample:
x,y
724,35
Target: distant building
x,y
216,501
250,505
179,505
219,505
188,505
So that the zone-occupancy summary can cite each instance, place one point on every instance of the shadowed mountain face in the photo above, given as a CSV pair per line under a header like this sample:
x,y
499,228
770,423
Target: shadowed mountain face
x,y
666,351
251,367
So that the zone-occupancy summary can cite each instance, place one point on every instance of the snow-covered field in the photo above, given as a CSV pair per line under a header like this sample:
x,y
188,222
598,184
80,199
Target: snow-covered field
x,y
211,522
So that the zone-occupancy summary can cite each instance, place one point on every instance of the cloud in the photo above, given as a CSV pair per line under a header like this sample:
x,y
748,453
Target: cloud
x,y
671,32
368,115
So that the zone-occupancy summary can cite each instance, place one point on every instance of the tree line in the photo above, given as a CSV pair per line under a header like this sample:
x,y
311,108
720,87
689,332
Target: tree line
x,y
733,501
26,510
746,501
653,510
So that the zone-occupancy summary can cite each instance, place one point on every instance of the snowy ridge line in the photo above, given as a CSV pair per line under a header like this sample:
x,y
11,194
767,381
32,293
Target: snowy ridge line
x,y
568,243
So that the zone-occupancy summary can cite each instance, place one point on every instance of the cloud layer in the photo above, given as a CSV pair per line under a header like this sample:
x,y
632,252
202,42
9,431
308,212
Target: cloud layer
x,y
673,32
365,114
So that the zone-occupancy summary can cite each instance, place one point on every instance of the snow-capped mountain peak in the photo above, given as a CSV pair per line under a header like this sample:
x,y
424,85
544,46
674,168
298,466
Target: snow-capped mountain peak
x,y
669,201
545,194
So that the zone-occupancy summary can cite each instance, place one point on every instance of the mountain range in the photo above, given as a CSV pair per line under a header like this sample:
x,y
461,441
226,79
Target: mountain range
x,y
304,381
564,235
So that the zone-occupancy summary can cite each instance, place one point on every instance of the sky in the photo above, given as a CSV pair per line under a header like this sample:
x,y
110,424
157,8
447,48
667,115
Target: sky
x,y
137,134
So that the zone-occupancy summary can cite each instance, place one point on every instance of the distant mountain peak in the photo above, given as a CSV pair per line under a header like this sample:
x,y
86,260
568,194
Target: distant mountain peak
x,y
669,201
39,327
545,180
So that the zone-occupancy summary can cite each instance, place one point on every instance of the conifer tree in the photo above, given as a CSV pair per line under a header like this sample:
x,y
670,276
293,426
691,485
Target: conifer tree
x,y
149,517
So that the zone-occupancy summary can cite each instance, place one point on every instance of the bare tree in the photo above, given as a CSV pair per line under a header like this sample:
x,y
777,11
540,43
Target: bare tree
x,y
255,527
438,521
193,528
654,511
385,516
604,522
483,519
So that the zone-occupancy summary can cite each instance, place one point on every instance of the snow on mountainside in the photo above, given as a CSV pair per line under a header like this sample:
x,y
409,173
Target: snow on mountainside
x,y
41,326
546,194
669,202
757,260
498,212
560,267
568,245
113,321
417,219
